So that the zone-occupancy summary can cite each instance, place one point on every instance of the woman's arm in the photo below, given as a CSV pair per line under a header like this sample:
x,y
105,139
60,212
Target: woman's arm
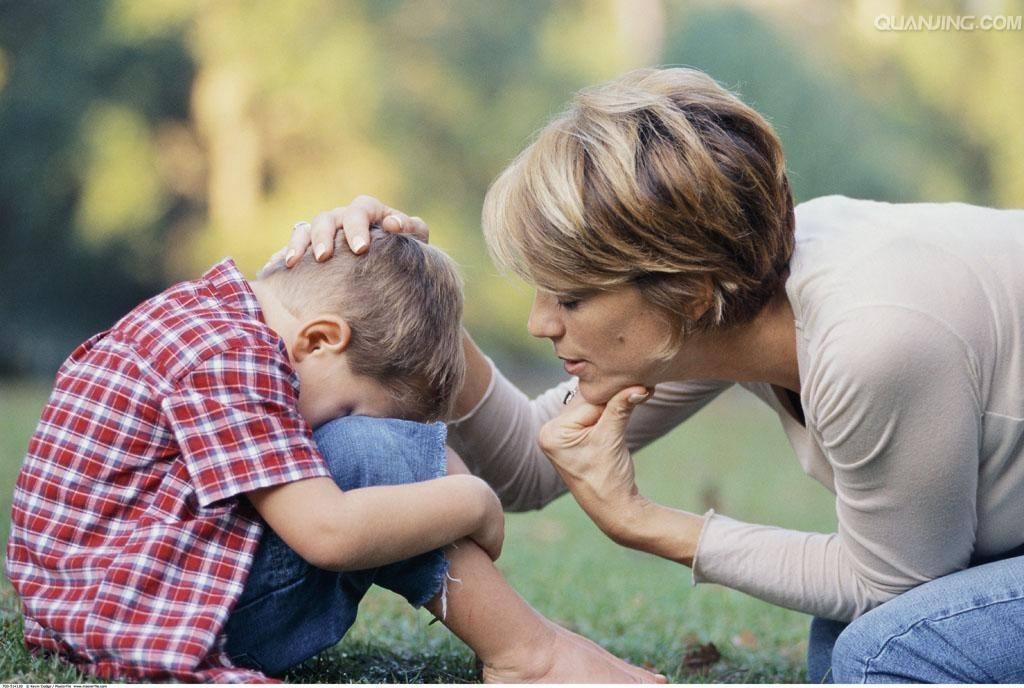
x,y
478,377
893,404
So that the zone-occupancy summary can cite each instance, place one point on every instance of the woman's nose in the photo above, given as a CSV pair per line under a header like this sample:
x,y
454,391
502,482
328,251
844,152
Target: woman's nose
x,y
544,320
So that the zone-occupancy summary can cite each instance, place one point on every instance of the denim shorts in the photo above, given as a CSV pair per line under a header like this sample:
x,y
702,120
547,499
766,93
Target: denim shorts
x,y
289,610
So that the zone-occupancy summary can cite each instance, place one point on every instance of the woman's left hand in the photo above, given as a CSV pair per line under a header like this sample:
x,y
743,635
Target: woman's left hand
x,y
587,446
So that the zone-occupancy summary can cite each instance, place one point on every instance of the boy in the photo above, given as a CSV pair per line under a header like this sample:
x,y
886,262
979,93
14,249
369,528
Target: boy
x,y
174,519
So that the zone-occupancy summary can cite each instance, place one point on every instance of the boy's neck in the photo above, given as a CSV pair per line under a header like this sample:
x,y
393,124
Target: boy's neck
x,y
277,317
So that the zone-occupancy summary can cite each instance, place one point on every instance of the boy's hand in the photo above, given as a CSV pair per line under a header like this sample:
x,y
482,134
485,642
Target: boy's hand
x,y
490,535
356,219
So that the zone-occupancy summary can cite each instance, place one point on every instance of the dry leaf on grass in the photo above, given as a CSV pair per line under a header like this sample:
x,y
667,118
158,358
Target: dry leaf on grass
x,y
699,657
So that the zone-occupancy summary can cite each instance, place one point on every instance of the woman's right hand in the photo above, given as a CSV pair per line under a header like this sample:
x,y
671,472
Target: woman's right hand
x,y
356,219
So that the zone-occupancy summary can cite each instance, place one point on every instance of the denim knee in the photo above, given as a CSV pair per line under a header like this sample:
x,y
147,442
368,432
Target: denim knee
x,y
361,451
884,646
859,642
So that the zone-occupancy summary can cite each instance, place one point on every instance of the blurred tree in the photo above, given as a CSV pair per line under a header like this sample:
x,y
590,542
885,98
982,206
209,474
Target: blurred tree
x,y
76,108
971,81
836,139
142,141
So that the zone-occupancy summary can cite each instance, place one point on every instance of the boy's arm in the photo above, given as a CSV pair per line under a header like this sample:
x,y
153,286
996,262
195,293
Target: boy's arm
x,y
373,526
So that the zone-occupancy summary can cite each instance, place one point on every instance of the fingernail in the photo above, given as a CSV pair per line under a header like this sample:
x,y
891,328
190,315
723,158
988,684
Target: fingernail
x,y
637,398
320,251
288,257
398,219
358,244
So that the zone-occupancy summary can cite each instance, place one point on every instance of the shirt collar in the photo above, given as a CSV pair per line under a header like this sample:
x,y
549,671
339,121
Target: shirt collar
x,y
231,287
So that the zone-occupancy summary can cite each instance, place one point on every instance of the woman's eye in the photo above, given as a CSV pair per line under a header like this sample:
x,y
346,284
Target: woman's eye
x,y
569,304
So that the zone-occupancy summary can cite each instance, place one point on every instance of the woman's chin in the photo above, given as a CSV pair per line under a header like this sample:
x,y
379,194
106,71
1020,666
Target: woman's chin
x,y
598,393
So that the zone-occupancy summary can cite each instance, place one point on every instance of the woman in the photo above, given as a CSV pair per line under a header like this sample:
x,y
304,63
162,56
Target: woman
x,y
656,221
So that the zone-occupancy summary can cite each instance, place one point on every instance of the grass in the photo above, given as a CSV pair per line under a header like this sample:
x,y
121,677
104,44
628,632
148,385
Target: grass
x,y
732,456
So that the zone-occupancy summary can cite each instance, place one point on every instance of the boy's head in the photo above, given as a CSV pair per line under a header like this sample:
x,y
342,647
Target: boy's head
x,y
379,331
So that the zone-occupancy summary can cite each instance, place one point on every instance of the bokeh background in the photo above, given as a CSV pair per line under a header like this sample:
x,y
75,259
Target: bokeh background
x,y
142,141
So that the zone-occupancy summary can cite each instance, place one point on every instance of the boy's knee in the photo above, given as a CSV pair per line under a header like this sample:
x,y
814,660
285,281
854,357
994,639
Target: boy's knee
x,y
361,451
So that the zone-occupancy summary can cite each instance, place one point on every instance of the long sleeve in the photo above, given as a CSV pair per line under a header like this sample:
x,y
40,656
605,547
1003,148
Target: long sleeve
x,y
892,399
498,439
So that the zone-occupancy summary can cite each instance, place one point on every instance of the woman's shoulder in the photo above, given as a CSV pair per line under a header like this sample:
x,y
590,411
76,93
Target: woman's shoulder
x,y
823,203
877,286
942,259
832,208
838,231
836,212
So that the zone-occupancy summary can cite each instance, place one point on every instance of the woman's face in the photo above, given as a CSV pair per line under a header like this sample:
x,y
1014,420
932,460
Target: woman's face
x,y
610,340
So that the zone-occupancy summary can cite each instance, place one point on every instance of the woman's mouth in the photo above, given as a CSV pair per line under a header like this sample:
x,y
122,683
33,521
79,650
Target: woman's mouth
x,y
574,366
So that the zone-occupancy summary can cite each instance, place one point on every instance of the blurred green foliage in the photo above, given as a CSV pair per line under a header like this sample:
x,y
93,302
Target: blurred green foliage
x,y
141,141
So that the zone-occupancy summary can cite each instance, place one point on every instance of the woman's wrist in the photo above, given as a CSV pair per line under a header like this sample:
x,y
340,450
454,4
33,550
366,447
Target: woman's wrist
x,y
669,533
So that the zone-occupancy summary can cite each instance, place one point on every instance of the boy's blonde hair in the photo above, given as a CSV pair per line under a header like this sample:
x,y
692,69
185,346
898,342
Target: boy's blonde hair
x,y
661,179
403,302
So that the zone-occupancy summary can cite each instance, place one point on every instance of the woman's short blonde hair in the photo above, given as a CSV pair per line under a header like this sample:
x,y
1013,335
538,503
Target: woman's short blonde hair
x,y
662,179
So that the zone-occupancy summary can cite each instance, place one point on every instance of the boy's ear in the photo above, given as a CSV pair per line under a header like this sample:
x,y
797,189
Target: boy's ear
x,y
323,334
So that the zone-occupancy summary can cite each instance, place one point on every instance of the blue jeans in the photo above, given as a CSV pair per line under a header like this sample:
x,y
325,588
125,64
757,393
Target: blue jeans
x,y
967,627
289,610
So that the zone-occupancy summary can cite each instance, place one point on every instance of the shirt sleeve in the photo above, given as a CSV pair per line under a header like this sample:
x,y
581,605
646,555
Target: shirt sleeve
x,y
498,438
893,403
236,421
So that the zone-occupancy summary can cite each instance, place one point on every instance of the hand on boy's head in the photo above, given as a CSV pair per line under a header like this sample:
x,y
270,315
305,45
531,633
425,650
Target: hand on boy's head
x,y
355,219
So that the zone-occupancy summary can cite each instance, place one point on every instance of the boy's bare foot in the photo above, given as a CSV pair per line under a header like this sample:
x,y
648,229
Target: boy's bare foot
x,y
565,657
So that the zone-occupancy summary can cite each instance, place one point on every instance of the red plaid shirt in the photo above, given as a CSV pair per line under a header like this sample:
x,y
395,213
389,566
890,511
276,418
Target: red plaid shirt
x,y
130,540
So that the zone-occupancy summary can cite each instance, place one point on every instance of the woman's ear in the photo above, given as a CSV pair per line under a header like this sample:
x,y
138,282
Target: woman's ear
x,y
324,334
706,291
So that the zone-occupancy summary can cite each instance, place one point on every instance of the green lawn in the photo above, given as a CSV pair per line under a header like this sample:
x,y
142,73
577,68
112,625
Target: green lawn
x,y
733,455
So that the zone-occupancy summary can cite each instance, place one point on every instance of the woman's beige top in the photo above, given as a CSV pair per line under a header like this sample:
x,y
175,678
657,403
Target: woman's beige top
x,y
910,344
